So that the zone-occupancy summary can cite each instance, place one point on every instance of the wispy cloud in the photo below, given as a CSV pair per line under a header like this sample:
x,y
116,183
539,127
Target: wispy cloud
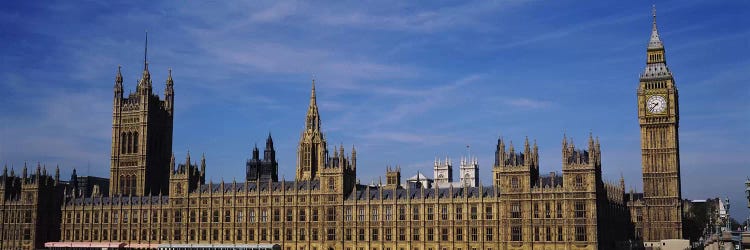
x,y
526,103
566,31
275,12
408,137
69,129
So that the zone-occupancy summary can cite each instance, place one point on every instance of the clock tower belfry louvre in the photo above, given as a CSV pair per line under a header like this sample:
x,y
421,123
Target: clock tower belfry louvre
x,y
658,115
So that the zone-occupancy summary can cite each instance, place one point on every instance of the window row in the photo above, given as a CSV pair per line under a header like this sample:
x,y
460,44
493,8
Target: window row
x,y
128,142
17,216
329,234
359,213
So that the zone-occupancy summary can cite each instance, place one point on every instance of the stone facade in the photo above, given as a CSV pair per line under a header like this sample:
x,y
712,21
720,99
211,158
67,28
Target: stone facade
x,y
325,208
141,138
29,208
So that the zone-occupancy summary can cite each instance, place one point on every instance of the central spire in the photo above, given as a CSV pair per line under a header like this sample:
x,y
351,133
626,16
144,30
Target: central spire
x,y
655,42
312,94
312,153
313,118
145,82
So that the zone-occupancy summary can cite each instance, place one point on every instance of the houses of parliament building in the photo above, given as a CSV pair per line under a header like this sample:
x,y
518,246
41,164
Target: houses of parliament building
x,y
155,198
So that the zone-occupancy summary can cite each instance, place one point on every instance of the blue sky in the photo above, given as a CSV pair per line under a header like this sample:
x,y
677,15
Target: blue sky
x,y
405,83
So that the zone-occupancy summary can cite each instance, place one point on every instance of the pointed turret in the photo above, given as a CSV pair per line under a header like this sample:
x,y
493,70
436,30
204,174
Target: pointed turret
x,y
203,162
187,159
536,153
313,117
57,174
269,154
203,169
74,182
24,174
144,85
526,147
256,153
354,158
118,83
500,152
269,142
169,92
171,164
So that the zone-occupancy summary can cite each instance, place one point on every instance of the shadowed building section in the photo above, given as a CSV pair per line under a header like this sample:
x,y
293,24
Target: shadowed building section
x,y
266,169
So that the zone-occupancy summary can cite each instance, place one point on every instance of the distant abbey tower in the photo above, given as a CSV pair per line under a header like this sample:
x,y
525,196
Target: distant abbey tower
x,y
141,137
443,172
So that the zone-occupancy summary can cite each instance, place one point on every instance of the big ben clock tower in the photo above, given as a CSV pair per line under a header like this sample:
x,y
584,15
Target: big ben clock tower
x,y
658,114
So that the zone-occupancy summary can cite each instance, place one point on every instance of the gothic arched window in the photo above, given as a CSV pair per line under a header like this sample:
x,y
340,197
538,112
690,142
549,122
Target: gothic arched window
x,y
122,143
129,142
135,142
132,184
579,181
123,180
514,182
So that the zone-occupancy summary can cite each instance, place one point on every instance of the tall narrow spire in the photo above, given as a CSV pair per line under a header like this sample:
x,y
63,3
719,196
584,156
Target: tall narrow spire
x,y
169,77
655,57
269,142
655,41
118,77
313,118
169,92
312,94
145,53
144,85
312,153
118,84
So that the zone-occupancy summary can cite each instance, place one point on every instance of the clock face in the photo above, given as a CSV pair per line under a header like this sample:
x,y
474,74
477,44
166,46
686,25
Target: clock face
x,y
656,104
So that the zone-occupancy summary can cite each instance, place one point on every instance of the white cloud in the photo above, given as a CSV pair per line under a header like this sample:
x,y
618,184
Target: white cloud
x,y
275,12
66,128
527,103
